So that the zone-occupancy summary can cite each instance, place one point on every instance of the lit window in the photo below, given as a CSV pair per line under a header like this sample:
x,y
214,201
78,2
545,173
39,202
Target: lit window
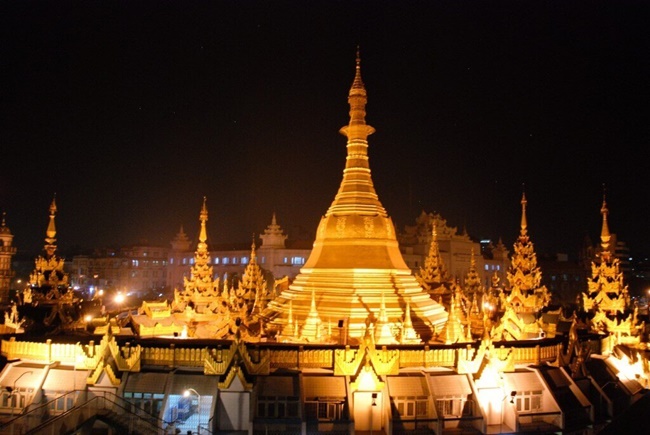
x,y
135,263
234,260
171,260
244,260
225,260
216,260
487,267
529,401
263,260
410,407
453,406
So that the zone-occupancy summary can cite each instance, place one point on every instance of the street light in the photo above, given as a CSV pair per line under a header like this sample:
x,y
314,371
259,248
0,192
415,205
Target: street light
x,y
186,393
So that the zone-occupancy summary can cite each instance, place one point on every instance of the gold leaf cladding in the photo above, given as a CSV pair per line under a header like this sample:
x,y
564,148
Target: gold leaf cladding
x,y
369,227
340,226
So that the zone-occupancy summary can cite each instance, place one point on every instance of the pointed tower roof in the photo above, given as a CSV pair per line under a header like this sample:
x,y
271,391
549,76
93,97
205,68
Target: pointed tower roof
x,y
200,288
273,236
356,256
50,233
605,236
181,242
526,292
49,275
607,294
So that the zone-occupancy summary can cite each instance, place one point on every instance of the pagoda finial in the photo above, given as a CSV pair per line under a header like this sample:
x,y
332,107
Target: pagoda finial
x,y
51,227
357,129
605,236
253,254
274,220
203,235
524,222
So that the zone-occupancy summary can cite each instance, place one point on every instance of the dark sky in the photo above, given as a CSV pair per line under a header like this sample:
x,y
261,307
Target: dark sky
x,y
132,111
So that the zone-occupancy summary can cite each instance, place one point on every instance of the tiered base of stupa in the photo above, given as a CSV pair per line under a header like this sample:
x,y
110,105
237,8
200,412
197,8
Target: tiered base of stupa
x,y
349,299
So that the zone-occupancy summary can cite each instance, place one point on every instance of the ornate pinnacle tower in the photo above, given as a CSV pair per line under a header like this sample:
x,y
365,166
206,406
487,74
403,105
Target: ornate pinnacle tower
x,y
607,296
49,279
7,250
433,276
356,258
526,292
200,290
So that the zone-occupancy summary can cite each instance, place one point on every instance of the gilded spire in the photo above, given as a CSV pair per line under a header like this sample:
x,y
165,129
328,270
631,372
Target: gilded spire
x,y
253,254
203,217
524,223
51,228
357,193
605,236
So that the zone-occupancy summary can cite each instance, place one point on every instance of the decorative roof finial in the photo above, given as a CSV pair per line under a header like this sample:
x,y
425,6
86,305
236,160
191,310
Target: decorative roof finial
x,y
253,254
524,222
605,236
51,227
203,217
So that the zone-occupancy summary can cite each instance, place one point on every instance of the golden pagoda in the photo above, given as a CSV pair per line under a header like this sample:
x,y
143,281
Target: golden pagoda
x,y
200,290
474,292
355,263
607,298
48,281
201,309
433,277
526,297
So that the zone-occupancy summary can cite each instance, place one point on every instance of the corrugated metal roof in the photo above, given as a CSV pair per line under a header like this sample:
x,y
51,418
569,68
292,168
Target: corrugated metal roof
x,y
147,383
449,385
324,386
404,386
281,386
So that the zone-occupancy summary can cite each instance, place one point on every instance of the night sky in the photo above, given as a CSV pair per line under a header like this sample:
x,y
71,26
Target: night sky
x,y
132,111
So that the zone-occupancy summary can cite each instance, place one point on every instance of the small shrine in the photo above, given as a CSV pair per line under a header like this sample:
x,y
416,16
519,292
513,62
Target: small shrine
x,y
205,307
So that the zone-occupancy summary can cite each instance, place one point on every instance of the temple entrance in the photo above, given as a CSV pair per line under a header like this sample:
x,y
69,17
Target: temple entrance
x,y
367,412
234,410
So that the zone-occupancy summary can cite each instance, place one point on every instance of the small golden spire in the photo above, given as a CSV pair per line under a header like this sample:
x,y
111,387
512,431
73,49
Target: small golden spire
x,y
203,216
524,222
253,254
51,227
605,236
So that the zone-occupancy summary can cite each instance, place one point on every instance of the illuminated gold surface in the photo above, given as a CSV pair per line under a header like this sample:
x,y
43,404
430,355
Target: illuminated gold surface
x,y
355,263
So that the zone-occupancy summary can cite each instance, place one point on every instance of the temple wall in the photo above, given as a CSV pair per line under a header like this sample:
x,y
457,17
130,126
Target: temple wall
x,y
298,358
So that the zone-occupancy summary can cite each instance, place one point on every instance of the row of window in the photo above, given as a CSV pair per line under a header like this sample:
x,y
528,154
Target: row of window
x,y
403,407
295,261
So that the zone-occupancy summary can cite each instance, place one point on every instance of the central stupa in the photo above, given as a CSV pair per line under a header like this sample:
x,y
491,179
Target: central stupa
x,y
355,280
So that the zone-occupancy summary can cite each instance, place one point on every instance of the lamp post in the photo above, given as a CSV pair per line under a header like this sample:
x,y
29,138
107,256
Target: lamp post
x,y
186,393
